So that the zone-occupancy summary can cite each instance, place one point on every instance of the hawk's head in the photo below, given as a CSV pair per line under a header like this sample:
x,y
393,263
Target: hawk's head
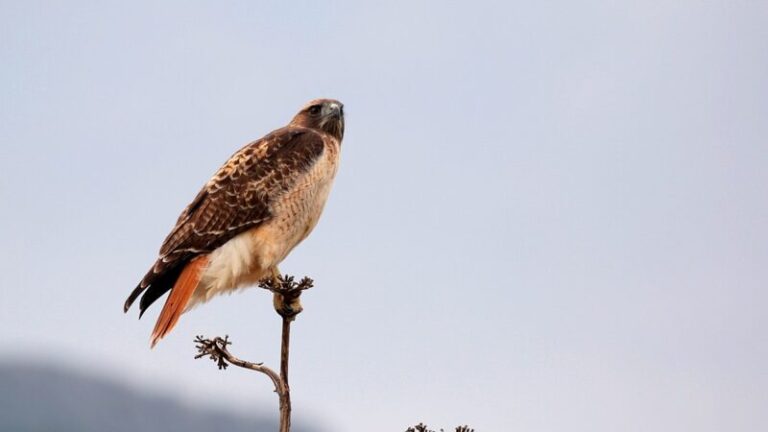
x,y
326,115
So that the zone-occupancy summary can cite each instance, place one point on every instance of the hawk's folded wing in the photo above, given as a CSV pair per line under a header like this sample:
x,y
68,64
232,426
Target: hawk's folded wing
x,y
238,197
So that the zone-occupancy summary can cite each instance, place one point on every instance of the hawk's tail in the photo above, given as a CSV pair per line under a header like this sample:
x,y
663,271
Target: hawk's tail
x,y
179,297
158,280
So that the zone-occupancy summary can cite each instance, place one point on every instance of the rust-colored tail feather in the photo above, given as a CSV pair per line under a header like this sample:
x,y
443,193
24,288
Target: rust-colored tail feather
x,y
177,300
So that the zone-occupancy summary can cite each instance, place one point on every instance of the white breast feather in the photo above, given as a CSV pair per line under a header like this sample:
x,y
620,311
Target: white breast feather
x,y
227,264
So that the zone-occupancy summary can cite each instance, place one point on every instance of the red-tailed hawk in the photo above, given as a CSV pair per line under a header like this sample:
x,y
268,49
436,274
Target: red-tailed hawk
x,y
264,201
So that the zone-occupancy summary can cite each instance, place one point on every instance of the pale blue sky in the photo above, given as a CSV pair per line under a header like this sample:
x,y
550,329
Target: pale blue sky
x,y
549,216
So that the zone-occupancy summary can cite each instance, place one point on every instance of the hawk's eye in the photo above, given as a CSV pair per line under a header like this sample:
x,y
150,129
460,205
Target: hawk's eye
x,y
314,109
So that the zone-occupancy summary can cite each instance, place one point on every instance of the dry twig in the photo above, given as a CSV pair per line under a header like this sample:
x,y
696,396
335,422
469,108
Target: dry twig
x,y
287,294
421,427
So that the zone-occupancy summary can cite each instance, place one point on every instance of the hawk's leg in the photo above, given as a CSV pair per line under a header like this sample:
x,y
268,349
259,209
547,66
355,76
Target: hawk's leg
x,y
292,308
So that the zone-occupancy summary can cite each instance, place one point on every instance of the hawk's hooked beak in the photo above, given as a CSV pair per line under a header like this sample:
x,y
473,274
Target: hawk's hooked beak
x,y
334,110
333,119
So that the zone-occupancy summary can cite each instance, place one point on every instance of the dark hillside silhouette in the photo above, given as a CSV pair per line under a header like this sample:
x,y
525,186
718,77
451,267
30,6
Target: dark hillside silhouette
x,y
36,398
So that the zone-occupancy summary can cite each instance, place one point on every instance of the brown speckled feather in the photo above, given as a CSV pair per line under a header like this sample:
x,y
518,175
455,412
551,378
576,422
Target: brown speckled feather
x,y
238,197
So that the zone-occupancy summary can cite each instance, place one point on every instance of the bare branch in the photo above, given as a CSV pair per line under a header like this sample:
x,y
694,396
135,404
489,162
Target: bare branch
x,y
286,293
216,349
421,427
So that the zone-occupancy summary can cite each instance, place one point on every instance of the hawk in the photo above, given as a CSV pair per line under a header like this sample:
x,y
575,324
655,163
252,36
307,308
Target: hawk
x,y
248,217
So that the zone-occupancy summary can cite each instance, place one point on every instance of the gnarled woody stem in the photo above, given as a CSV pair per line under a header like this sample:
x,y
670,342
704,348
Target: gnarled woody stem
x,y
285,397
288,292
216,348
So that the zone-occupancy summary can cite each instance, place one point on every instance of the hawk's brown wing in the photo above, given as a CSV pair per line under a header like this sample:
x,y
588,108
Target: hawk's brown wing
x,y
238,197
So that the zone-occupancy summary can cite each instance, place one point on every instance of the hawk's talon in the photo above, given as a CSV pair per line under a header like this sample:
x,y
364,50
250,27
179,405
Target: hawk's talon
x,y
286,294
